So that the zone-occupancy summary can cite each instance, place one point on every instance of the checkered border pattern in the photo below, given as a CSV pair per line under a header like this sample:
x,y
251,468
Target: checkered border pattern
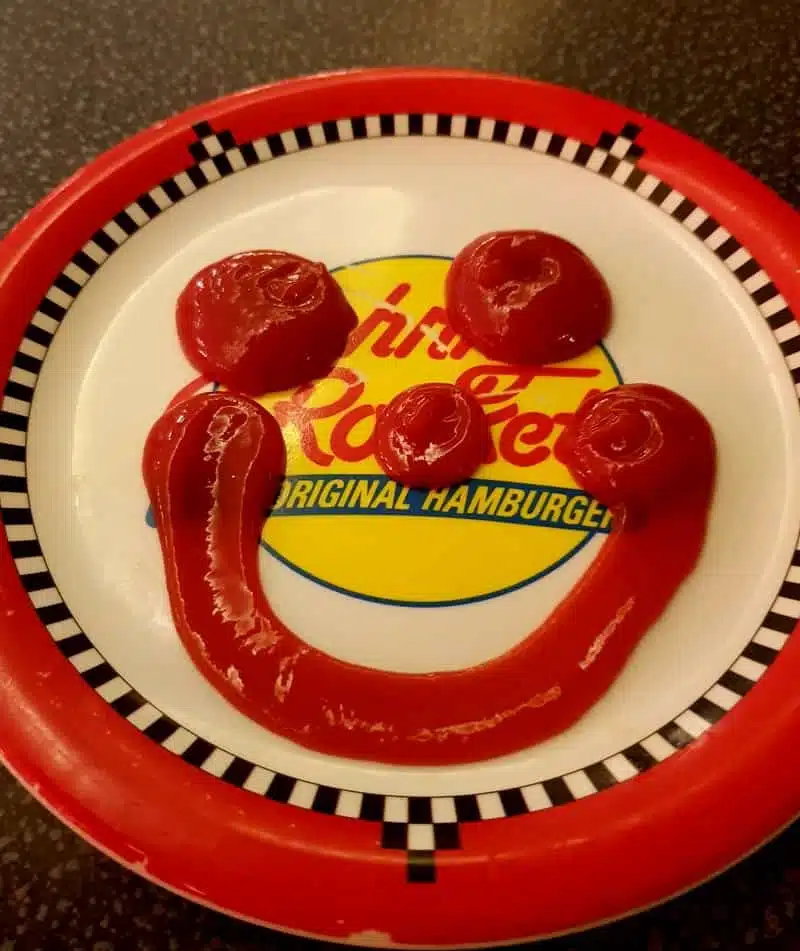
x,y
417,825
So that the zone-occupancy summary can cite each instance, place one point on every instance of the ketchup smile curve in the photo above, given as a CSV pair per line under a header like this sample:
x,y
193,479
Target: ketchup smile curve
x,y
212,466
527,297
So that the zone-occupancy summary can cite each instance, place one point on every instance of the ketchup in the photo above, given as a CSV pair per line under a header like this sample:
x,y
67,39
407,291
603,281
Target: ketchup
x,y
263,321
212,466
527,297
636,447
431,435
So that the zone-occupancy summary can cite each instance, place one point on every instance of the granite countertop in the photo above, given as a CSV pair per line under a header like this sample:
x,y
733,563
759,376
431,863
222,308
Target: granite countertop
x,y
76,78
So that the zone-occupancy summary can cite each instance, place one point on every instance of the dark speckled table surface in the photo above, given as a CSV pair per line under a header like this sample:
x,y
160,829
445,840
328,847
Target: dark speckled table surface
x,y
77,77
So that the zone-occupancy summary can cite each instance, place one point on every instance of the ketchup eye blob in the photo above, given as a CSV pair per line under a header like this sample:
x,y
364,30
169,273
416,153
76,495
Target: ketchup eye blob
x,y
527,297
263,321
431,436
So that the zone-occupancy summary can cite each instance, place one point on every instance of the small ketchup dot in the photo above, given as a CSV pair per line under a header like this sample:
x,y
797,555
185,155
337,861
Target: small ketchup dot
x,y
431,436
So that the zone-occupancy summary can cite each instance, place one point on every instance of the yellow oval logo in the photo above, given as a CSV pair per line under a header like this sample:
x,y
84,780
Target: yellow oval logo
x,y
341,522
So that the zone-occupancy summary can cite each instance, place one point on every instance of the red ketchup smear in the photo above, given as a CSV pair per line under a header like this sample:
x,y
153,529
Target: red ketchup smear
x,y
263,321
212,466
527,297
431,435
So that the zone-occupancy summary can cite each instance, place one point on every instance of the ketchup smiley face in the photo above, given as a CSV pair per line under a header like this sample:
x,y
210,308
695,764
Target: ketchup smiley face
x,y
527,297
431,435
263,321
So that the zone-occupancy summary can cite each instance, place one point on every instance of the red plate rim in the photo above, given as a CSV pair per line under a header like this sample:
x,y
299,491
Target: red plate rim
x,y
525,877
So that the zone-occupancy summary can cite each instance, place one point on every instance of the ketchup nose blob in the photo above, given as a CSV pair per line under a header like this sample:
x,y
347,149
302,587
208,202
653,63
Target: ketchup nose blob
x,y
431,435
432,419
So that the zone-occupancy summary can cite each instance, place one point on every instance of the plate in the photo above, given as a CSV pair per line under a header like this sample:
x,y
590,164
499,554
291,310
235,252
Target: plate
x,y
683,767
